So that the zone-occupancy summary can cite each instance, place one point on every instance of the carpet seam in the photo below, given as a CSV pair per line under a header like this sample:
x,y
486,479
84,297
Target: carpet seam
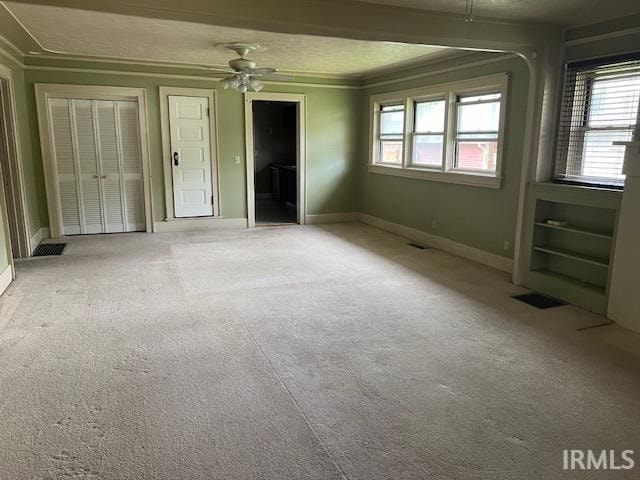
x,y
295,402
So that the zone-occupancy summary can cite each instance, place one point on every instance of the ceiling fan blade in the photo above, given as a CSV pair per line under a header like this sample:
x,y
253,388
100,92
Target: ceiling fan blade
x,y
221,70
264,71
278,77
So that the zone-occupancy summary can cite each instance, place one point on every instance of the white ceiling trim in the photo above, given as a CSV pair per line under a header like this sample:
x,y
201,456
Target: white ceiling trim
x,y
9,54
448,54
186,66
176,76
603,36
293,84
396,67
443,70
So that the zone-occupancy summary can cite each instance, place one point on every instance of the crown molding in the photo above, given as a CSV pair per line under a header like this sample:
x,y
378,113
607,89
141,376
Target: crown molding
x,y
179,76
13,53
424,61
602,36
488,61
213,78
178,65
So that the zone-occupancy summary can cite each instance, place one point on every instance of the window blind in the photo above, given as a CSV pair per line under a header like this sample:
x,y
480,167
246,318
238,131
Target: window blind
x,y
600,103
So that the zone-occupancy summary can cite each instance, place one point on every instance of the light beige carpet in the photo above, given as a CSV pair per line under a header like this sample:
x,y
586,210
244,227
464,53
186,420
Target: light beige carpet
x,y
334,352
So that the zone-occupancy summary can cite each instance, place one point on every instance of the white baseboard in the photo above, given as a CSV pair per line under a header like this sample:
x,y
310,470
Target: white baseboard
x,y
38,237
6,277
332,218
193,224
441,243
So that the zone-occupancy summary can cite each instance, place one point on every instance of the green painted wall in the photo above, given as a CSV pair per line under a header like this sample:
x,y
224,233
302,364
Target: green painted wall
x,y
332,127
31,169
480,217
31,187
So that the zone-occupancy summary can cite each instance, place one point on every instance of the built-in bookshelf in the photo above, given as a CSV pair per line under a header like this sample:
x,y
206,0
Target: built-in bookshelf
x,y
571,260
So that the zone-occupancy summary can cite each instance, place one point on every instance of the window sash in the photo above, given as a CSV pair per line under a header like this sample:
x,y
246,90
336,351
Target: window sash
x,y
414,151
478,137
416,134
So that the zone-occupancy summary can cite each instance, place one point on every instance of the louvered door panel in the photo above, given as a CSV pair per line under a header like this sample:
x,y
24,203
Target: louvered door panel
x,y
62,140
129,139
112,187
87,162
98,164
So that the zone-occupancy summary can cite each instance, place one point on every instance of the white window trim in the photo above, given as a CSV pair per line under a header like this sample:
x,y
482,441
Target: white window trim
x,y
449,91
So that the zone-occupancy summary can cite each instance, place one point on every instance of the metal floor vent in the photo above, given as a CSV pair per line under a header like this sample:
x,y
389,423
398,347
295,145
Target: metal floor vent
x,y
48,249
419,247
539,301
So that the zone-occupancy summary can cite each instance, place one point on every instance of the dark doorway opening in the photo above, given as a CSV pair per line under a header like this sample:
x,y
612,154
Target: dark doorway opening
x,y
275,140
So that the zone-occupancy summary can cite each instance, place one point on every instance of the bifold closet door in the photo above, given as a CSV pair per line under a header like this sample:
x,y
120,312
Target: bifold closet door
x,y
98,162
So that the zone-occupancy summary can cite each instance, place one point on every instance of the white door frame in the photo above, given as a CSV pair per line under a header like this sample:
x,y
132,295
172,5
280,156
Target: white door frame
x,y
44,91
165,92
19,214
301,170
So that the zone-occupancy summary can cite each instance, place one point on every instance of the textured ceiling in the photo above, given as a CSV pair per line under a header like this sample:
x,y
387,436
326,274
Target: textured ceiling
x,y
565,12
80,32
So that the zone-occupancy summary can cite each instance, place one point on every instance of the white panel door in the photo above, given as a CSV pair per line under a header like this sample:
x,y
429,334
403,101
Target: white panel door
x,y
99,165
190,156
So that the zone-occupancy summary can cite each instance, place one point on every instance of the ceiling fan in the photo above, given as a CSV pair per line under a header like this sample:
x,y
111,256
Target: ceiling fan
x,y
244,74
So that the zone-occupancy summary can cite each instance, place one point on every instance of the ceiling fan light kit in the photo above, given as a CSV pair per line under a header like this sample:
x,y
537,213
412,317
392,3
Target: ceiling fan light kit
x,y
244,74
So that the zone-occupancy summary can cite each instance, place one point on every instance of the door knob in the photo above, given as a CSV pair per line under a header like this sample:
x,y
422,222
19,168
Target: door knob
x,y
175,159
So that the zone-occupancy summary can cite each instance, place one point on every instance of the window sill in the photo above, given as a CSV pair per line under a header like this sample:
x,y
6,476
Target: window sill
x,y
473,179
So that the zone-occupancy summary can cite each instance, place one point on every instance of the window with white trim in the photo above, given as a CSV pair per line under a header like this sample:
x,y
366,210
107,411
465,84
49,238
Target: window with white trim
x,y
599,112
451,132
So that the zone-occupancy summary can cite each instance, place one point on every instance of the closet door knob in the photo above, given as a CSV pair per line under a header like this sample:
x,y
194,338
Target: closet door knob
x,y
104,176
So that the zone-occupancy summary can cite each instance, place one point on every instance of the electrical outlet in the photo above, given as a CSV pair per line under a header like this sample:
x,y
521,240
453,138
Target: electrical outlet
x,y
506,245
434,224
237,159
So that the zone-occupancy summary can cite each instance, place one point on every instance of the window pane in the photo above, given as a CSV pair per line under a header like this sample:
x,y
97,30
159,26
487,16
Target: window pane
x,y
391,151
601,158
429,116
391,119
427,150
477,155
480,117
479,98
614,101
